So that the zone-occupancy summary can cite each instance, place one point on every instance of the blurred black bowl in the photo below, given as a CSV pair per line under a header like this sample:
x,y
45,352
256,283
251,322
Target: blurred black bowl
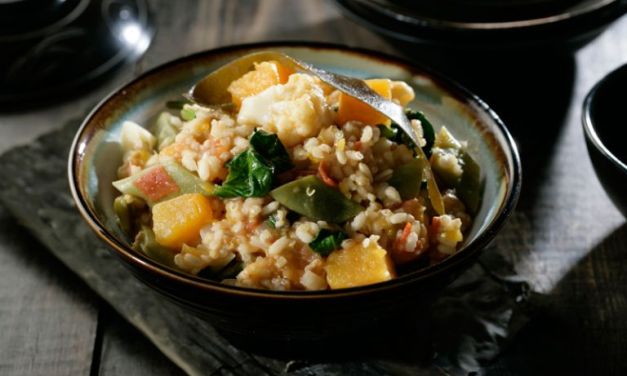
x,y
605,130
53,48
487,24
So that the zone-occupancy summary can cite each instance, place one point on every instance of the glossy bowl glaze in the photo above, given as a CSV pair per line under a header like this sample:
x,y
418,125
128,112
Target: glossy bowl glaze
x,y
484,25
605,129
292,315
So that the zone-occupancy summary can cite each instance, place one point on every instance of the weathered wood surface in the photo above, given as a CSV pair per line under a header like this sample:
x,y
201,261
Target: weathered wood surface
x,y
575,242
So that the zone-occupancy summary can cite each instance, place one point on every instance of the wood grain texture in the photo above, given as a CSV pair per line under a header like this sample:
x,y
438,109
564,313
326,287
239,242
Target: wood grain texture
x,y
125,351
47,315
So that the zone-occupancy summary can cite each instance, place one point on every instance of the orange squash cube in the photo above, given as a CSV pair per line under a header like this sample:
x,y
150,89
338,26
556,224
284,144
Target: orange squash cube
x,y
356,110
359,265
178,221
174,150
265,74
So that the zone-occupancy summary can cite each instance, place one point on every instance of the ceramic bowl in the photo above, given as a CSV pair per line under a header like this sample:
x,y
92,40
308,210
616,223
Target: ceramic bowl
x,y
291,315
472,25
604,129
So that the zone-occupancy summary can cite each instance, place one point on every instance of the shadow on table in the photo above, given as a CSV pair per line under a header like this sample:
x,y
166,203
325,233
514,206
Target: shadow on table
x,y
582,329
531,92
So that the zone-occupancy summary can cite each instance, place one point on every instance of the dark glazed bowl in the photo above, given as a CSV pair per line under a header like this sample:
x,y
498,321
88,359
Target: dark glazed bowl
x,y
605,129
246,313
53,49
487,25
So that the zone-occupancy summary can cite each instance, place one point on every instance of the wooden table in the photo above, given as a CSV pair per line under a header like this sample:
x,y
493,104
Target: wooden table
x,y
570,240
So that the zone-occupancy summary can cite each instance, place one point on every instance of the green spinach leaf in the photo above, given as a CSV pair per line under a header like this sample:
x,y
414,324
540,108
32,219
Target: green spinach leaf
x,y
252,172
250,175
270,147
327,241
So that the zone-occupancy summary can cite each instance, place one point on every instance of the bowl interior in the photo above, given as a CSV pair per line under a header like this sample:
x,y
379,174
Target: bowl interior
x,y
98,155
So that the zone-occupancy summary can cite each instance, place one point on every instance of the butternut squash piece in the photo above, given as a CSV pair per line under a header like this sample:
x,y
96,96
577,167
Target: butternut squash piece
x,y
174,150
265,74
359,265
356,110
178,221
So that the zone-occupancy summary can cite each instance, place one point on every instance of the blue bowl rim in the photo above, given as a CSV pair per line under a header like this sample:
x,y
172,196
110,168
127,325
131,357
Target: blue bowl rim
x,y
159,270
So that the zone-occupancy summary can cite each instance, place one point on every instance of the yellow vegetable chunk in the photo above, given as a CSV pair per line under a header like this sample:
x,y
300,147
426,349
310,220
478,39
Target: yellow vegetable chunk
x,y
265,74
356,110
359,265
178,221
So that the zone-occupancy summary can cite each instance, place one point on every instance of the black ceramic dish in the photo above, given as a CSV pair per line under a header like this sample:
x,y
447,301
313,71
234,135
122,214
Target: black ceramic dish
x,y
605,129
52,48
487,25
252,314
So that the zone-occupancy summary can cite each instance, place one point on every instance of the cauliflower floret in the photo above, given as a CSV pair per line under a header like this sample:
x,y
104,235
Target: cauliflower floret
x,y
294,111
134,137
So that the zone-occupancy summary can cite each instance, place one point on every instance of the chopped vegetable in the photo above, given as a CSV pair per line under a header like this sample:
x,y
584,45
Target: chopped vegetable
x,y
324,175
123,214
146,243
470,187
388,132
353,109
271,221
250,175
270,147
134,137
127,209
358,265
156,184
408,178
327,241
467,182
164,130
397,135
161,182
265,74
188,114
178,221
405,234
310,197
252,172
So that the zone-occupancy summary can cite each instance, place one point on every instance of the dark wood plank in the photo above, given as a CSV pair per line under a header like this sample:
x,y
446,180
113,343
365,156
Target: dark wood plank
x,y
125,351
47,315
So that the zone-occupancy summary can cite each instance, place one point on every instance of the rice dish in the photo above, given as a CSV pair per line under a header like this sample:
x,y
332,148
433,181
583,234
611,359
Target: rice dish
x,y
295,186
